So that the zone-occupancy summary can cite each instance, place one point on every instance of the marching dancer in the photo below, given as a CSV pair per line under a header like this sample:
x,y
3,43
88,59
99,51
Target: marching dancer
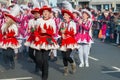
x,y
44,40
9,33
84,37
77,16
68,42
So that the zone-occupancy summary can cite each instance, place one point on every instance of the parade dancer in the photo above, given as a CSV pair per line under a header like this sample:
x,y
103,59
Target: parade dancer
x,y
32,25
9,33
77,16
11,5
68,42
44,40
84,37
2,21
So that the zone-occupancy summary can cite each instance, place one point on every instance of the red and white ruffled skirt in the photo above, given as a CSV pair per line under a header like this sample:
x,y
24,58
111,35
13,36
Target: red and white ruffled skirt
x,y
45,42
10,43
29,40
69,43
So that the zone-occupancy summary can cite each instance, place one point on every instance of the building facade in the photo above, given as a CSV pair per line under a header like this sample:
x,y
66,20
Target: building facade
x,y
97,4
105,4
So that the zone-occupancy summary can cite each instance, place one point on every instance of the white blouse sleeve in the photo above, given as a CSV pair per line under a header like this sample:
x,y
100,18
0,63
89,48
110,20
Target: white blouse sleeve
x,y
73,26
53,25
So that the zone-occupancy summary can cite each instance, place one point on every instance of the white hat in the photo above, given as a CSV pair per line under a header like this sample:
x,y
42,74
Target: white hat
x,y
56,10
67,5
24,7
36,4
88,12
15,10
78,12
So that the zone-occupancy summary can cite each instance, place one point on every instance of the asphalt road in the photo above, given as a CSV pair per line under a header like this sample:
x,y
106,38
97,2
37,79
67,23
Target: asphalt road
x,y
104,65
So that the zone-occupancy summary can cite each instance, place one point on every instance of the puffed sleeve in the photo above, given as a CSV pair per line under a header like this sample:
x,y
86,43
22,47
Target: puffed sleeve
x,y
72,29
73,25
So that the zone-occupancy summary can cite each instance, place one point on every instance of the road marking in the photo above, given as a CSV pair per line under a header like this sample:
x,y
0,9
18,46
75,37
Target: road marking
x,y
21,78
118,69
105,72
95,59
115,71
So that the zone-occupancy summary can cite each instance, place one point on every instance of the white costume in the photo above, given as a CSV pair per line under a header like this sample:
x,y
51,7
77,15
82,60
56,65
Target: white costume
x,y
84,38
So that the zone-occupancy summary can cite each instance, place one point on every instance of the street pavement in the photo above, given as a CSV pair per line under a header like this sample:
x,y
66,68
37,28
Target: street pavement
x,y
104,65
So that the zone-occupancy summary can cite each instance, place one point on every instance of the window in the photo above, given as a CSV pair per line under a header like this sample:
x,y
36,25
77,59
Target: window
x,y
106,6
117,7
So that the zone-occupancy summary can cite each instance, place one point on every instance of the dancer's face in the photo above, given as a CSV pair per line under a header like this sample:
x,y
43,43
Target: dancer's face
x,y
36,15
66,17
46,14
85,15
75,15
56,14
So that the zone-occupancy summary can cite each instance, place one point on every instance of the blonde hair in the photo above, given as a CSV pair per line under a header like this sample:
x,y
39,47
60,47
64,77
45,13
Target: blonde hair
x,y
9,23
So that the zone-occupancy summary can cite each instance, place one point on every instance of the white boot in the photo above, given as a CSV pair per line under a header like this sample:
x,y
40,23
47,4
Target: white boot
x,y
87,64
81,65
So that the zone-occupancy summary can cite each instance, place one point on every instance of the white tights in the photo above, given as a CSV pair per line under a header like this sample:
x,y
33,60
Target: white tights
x,y
84,53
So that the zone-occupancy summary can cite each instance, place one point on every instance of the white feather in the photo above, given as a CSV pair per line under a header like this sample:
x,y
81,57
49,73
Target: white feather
x,y
15,10
85,10
24,6
67,5
80,14
56,10
36,3
44,2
